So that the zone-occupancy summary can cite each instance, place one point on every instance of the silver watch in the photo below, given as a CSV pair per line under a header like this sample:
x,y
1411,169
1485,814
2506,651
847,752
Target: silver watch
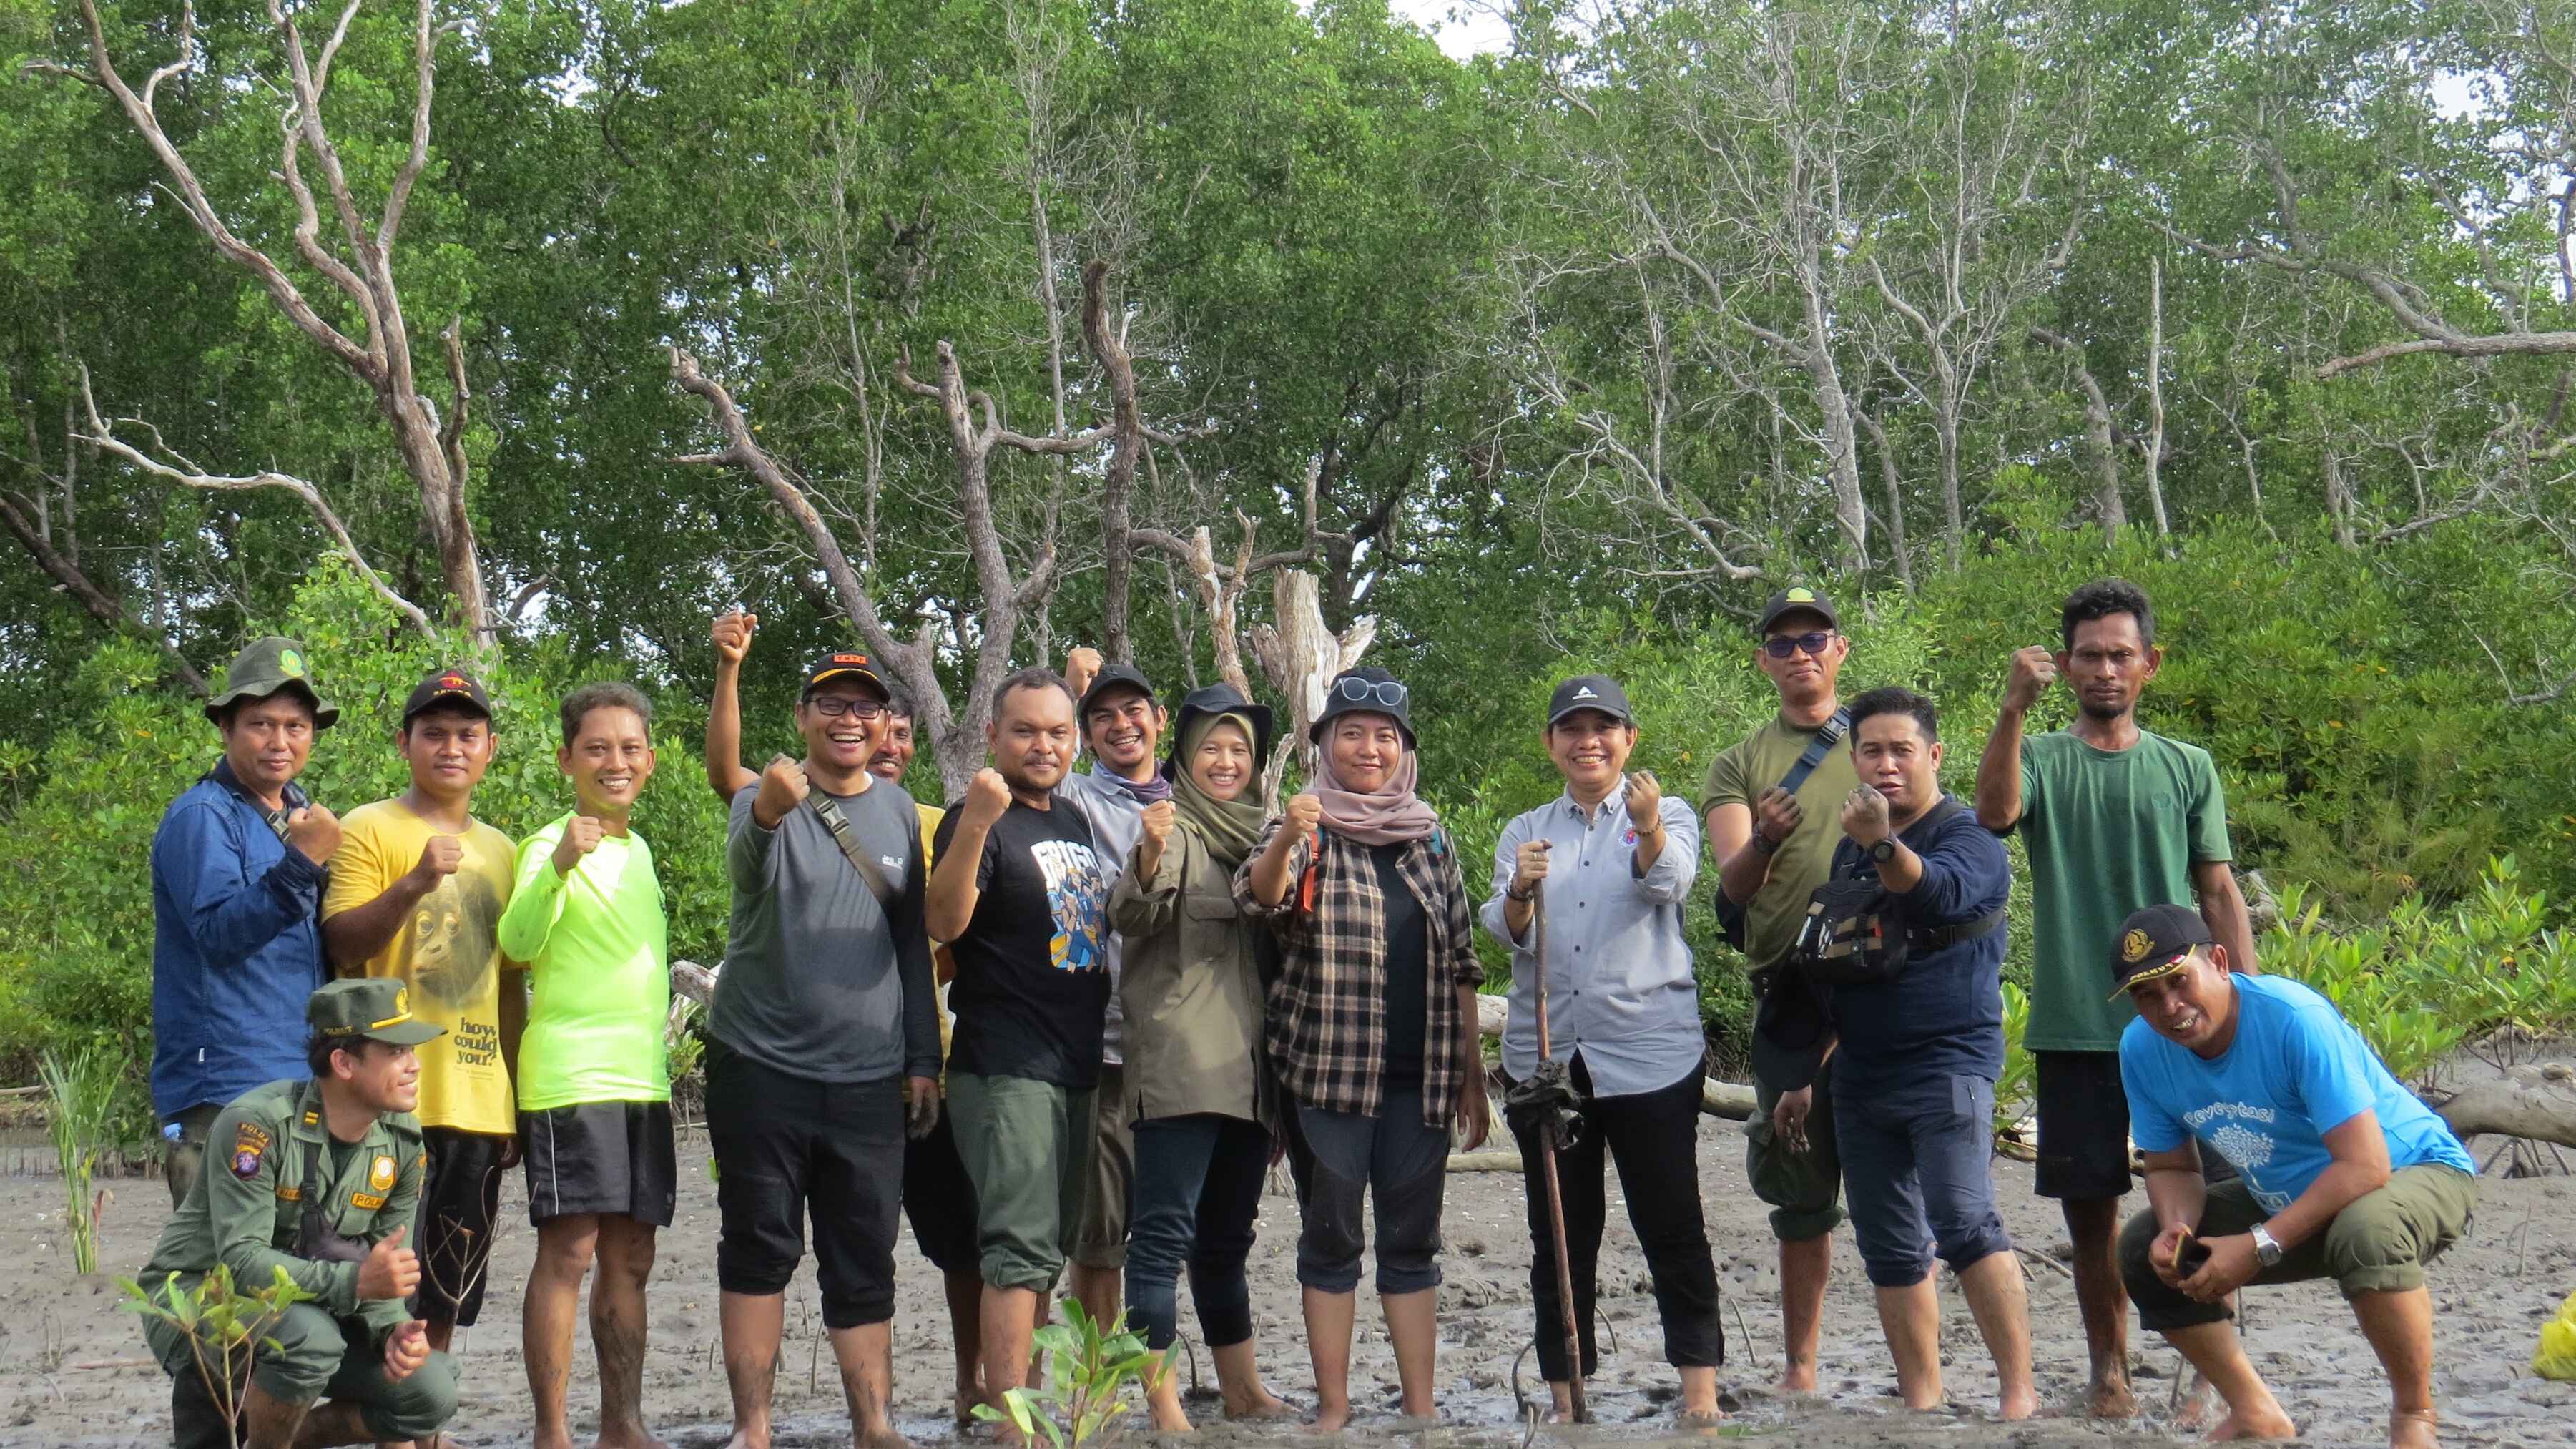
x,y
2266,1247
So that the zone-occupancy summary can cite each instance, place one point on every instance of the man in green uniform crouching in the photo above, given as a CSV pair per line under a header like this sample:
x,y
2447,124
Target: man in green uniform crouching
x,y
321,1178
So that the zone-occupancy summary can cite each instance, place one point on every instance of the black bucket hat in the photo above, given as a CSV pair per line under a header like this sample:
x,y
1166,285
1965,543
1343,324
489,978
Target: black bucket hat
x,y
1217,699
1366,690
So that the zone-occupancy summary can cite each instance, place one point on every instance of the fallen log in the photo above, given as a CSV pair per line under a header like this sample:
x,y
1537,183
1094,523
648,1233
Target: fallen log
x,y
1506,1159
2531,1101
696,982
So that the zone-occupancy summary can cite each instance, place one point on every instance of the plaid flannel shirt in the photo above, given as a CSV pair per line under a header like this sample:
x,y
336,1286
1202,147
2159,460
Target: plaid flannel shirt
x,y
1327,1009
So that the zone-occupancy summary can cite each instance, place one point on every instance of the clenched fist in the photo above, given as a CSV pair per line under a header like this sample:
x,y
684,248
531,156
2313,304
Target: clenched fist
x,y
733,632
2033,670
1158,818
1304,813
1777,815
1529,866
1645,803
988,795
783,787
438,860
1865,816
1080,668
315,831
389,1270
581,837
406,1349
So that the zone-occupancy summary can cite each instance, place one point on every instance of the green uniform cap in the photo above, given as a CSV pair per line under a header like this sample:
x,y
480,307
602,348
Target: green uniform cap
x,y
377,1007
264,667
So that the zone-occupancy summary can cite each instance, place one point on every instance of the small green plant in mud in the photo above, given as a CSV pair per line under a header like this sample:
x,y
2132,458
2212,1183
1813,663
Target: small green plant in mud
x,y
1093,1381
80,1097
223,1328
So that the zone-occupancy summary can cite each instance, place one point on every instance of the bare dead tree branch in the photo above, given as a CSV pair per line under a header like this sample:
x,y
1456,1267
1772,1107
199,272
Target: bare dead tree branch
x,y
100,605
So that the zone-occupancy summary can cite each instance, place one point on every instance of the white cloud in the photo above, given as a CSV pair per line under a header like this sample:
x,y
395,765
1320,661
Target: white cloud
x,y
1462,27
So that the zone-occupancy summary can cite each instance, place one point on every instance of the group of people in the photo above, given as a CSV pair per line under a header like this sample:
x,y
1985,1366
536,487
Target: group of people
x,y
1155,989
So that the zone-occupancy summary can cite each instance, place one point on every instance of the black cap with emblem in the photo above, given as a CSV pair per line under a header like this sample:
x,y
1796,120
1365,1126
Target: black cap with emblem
x,y
1796,600
1589,691
2153,943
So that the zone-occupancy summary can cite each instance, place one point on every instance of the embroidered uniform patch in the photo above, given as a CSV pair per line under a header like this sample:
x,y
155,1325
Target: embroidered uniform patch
x,y
250,1143
366,1201
380,1174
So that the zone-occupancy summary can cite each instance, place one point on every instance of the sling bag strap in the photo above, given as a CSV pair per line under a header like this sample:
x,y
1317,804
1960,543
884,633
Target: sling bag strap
x,y
848,839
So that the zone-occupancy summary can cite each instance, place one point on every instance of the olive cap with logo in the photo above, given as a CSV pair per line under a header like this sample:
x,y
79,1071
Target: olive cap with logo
x,y
375,1007
2153,943
265,667
840,664
452,688
1796,599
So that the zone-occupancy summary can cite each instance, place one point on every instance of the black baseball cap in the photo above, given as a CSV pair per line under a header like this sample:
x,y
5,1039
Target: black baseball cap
x,y
452,687
1113,675
1797,598
1366,689
1589,691
2153,943
839,664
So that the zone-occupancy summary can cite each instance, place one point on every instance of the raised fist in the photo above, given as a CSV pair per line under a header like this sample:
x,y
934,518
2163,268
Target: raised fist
x,y
988,795
1080,668
1645,802
389,1270
1158,819
1777,815
439,859
2033,670
783,787
1865,815
733,632
315,831
580,837
1304,813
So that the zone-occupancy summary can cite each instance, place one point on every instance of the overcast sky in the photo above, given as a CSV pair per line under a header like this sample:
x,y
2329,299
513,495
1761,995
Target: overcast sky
x,y
1463,26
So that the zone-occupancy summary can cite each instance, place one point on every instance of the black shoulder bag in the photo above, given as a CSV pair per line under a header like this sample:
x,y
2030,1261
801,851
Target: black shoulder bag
x,y
1731,918
1855,932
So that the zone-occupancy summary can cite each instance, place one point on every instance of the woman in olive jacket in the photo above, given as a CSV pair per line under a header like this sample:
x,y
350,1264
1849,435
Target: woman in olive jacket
x,y
1192,995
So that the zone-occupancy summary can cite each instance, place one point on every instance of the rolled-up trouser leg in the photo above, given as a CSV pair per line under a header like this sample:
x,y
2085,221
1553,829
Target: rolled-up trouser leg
x,y
1799,1187
413,1409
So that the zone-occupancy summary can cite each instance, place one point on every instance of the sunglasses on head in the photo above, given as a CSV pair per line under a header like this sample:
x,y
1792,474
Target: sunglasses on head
x,y
833,706
1781,646
1389,693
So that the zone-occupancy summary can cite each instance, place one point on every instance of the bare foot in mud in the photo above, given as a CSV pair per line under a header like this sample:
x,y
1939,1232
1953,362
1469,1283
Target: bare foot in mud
x,y
2109,1396
2255,1424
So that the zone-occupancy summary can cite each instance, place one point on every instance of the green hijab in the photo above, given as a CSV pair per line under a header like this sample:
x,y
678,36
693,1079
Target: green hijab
x,y
1227,827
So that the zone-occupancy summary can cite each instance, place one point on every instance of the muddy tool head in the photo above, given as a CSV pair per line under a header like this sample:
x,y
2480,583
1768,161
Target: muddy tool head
x,y
1550,1100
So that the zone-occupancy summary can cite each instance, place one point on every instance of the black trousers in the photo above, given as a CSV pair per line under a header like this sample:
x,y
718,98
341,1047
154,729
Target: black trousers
x,y
1653,1137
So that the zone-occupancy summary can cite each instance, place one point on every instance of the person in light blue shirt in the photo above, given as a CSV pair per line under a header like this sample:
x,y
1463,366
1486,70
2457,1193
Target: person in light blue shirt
x,y
1616,858
2343,1173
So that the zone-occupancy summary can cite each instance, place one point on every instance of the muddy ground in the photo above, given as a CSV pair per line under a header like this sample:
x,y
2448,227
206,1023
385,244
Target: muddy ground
x,y
73,1369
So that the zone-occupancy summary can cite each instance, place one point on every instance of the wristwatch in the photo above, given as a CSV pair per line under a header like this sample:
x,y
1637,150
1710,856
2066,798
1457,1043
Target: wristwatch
x,y
2266,1247
1765,843
1884,851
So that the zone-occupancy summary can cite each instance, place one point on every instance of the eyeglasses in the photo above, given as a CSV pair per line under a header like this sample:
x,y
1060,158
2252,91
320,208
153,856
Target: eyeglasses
x,y
833,706
1388,693
1781,646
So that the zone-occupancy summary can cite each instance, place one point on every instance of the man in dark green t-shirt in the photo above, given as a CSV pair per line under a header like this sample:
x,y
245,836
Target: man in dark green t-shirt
x,y
2116,819
1772,849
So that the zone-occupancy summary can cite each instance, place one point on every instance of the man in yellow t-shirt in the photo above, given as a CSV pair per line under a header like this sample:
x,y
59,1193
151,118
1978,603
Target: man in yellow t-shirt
x,y
416,893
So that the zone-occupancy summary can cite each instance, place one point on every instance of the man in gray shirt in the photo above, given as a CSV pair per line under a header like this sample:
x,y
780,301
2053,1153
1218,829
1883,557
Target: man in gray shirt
x,y
824,1023
1616,858
1122,730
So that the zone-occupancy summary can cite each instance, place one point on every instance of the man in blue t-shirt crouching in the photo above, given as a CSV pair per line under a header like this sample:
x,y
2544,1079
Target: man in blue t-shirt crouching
x,y
2345,1175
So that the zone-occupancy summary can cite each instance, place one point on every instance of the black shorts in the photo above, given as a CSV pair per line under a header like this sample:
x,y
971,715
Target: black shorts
x,y
601,1157
939,1200
787,1146
2084,1129
460,1200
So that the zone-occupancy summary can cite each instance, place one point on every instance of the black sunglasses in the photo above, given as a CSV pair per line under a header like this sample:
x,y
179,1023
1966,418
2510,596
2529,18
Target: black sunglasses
x,y
1781,646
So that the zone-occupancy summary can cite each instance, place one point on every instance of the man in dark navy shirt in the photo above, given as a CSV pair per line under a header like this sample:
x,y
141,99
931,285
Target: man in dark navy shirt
x,y
1915,1096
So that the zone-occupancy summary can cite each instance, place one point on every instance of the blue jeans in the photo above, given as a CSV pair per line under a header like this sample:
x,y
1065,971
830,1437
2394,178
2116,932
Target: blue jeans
x,y
1915,1173
1198,1188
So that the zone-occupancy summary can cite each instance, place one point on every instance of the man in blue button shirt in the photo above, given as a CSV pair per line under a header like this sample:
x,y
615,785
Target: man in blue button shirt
x,y
2342,1173
1616,858
237,876
1914,1098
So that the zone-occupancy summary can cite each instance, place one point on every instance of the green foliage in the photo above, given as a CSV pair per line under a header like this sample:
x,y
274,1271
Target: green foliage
x,y
683,1047
222,1327
2425,979
80,1108
1092,1378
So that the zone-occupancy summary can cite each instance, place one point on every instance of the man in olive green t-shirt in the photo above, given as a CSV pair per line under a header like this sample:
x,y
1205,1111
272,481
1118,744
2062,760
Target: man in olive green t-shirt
x,y
1773,848
2115,819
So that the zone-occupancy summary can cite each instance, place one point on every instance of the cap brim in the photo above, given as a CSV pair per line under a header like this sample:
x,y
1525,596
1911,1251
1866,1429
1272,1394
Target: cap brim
x,y
409,1033
447,697
852,672
1785,610
2167,969
1594,705
325,714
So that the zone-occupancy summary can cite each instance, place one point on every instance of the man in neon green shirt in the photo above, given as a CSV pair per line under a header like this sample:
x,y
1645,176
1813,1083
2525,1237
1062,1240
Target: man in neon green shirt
x,y
594,1088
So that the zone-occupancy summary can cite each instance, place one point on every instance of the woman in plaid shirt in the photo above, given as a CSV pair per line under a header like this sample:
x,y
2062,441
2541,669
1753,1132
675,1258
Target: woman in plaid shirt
x,y
1372,1027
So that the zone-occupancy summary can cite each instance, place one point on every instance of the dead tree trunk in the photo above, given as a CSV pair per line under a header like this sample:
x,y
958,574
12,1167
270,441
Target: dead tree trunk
x,y
1118,480
359,264
1300,653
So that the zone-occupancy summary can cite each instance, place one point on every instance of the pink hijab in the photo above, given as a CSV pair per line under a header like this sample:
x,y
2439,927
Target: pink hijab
x,y
1386,816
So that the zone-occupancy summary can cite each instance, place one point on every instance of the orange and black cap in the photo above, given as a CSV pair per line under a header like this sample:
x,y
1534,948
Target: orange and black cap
x,y
842,664
447,688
